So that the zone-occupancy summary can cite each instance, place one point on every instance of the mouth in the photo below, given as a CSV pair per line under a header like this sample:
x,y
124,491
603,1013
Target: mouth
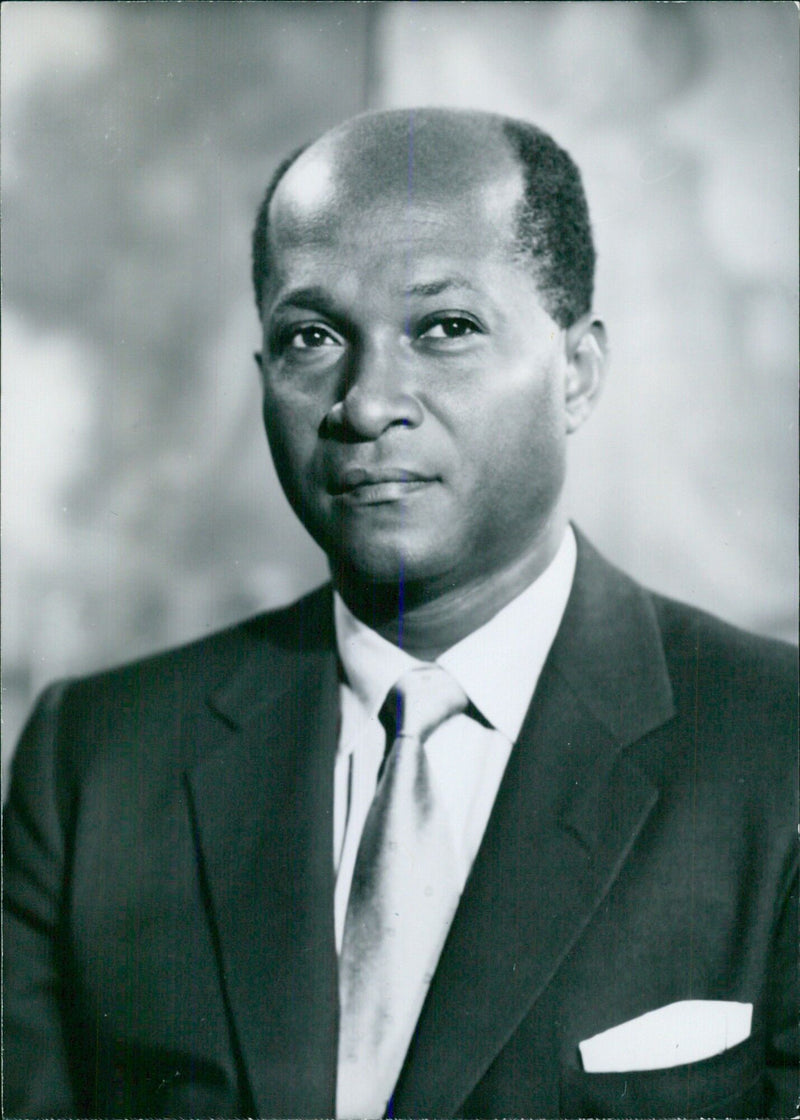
x,y
376,485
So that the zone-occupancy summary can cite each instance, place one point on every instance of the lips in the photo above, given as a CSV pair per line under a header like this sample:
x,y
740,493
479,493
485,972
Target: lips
x,y
369,485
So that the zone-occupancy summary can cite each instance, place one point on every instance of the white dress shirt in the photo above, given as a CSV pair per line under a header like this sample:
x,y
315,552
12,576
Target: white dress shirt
x,y
498,667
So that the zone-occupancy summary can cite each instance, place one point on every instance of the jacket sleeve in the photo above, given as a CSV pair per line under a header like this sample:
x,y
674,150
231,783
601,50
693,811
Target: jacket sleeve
x,y
36,1079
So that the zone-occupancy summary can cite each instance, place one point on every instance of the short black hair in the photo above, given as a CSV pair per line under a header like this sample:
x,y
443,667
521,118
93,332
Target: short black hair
x,y
553,230
553,227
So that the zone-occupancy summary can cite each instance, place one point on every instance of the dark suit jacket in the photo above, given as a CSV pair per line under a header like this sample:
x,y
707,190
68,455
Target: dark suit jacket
x,y
169,888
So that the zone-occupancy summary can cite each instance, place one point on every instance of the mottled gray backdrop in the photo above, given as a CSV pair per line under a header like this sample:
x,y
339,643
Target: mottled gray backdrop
x,y
139,505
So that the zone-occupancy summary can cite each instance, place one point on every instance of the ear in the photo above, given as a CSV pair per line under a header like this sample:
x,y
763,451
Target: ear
x,y
586,351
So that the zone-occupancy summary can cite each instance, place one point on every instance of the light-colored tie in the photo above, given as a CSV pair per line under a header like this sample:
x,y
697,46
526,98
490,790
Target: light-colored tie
x,y
404,894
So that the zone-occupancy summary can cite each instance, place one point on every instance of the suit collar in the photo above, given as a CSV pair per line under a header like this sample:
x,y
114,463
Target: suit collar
x,y
610,651
261,799
286,642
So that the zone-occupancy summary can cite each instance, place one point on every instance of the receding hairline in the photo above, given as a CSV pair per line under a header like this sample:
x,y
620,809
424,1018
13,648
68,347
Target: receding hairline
x,y
415,123
390,149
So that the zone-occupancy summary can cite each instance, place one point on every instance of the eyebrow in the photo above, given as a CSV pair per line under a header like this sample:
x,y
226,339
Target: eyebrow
x,y
436,287
315,297
318,298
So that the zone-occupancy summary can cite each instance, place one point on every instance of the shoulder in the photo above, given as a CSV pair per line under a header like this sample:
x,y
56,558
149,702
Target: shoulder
x,y
136,707
735,665
695,643
736,716
205,662
732,692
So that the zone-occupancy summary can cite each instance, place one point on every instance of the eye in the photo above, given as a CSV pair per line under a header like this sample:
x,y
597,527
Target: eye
x,y
449,327
312,336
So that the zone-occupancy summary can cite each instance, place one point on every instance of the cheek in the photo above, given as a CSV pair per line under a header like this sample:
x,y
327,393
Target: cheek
x,y
291,418
522,456
525,424
290,436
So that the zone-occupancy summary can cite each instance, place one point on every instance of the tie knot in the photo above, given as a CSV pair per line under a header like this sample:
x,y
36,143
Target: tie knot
x,y
421,700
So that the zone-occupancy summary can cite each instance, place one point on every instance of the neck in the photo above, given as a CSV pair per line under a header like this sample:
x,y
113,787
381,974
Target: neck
x,y
426,621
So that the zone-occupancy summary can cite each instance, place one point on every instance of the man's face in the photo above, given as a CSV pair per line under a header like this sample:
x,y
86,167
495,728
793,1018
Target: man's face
x,y
414,386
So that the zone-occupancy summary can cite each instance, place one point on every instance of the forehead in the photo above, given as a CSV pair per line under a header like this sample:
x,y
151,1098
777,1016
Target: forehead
x,y
399,189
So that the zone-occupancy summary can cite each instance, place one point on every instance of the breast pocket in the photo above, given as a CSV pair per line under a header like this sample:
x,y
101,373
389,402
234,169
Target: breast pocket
x,y
728,1085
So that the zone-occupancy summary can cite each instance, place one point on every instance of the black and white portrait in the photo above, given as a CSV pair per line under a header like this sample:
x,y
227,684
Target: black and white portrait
x,y
399,549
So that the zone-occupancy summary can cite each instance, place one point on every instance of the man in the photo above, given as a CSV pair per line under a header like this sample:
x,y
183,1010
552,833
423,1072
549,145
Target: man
x,y
296,869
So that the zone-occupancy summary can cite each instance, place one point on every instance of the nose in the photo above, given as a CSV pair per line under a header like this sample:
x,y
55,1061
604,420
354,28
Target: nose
x,y
376,397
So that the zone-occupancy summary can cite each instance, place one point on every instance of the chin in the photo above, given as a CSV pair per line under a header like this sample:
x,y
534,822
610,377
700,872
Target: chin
x,y
385,564
376,567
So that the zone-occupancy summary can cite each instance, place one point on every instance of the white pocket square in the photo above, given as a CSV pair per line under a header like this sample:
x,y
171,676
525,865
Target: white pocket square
x,y
687,1031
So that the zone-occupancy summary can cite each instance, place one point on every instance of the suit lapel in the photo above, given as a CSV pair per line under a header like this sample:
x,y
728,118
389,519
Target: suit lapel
x,y
262,800
567,814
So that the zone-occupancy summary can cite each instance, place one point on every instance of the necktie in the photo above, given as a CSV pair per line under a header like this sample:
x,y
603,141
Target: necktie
x,y
404,893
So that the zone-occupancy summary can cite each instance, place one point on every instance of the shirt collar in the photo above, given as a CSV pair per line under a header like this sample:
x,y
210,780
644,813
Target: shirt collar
x,y
497,665
372,665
